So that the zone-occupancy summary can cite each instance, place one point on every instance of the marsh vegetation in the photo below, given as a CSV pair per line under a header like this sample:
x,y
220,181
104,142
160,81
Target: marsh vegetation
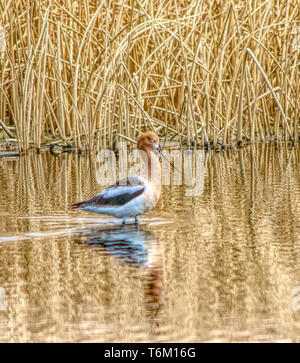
x,y
84,72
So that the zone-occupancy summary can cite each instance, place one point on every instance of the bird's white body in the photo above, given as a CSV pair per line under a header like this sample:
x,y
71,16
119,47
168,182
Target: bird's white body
x,y
141,197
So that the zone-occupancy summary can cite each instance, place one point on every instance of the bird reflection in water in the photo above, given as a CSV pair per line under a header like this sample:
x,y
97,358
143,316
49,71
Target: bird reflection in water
x,y
138,247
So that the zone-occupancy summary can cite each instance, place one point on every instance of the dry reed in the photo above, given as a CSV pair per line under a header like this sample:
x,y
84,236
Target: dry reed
x,y
84,72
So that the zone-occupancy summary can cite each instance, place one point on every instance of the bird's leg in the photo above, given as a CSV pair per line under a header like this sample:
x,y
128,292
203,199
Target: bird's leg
x,y
137,220
124,221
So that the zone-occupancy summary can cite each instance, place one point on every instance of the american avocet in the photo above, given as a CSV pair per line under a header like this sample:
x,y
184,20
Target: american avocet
x,y
134,195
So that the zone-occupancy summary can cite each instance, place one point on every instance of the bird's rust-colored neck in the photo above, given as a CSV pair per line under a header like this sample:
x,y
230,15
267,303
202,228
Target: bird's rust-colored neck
x,y
152,170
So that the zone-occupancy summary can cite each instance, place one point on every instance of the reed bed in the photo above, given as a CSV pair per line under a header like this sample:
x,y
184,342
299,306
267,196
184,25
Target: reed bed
x,y
84,73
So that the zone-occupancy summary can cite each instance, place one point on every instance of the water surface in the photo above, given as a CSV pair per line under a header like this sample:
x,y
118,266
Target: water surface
x,y
222,265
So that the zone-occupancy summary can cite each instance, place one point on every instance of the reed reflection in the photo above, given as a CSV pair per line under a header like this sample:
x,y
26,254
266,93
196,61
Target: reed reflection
x,y
140,248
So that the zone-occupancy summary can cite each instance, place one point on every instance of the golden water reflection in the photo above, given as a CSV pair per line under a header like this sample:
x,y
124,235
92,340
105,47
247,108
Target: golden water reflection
x,y
219,266
136,246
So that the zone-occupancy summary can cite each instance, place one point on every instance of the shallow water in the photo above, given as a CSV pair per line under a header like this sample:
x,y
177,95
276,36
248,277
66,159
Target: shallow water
x,y
222,264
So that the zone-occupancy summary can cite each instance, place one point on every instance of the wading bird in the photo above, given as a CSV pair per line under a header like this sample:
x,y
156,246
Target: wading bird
x,y
132,196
